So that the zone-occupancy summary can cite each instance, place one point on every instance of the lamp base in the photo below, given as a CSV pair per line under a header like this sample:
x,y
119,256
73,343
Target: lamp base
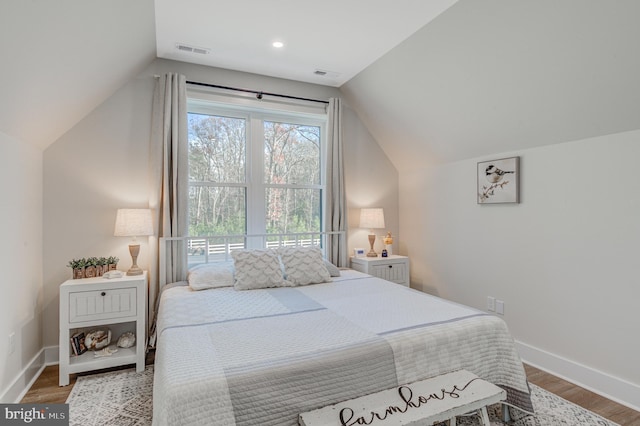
x,y
134,270
134,250
372,253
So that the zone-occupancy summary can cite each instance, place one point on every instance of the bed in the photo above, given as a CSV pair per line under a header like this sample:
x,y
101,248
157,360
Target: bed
x,y
262,356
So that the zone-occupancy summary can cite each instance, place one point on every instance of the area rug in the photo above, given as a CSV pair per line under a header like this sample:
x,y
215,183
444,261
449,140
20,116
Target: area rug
x,y
118,398
124,398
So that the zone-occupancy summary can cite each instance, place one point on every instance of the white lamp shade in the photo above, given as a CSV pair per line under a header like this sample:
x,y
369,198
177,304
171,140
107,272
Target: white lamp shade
x,y
372,218
133,223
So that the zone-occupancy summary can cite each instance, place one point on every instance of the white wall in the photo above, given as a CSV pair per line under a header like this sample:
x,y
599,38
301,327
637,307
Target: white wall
x,y
564,260
101,164
371,181
20,261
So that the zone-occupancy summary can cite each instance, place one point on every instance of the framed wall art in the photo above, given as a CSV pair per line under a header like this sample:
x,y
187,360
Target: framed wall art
x,y
498,181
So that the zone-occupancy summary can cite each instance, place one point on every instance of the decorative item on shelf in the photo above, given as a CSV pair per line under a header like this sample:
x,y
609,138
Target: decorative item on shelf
x,y
105,352
97,339
133,223
112,263
92,266
384,253
101,266
91,270
77,343
372,219
77,266
127,340
388,243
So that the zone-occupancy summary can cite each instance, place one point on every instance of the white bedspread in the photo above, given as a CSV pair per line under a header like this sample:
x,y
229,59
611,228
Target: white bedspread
x,y
261,357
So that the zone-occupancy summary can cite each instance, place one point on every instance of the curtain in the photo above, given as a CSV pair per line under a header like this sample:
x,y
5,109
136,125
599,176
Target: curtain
x,y
336,205
169,190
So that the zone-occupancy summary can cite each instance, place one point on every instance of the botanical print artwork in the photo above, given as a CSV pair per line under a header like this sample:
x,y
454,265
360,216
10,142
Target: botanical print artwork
x,y
498,181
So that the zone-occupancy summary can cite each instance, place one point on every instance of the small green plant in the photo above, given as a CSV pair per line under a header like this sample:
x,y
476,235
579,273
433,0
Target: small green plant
x,y
77,263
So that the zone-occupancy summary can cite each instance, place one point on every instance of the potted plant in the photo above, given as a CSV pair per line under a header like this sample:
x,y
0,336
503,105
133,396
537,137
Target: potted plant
x,y
112,261
77,266
101,266
90,268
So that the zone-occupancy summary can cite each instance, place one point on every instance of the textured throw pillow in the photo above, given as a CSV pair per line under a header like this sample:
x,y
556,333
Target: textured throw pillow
x,y
211,275
258,268
333,269
304,265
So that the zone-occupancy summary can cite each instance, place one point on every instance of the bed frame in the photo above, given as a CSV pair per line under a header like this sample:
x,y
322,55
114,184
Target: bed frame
x,y
209,249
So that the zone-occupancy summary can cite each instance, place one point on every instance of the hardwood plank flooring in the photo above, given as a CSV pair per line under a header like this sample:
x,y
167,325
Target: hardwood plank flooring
x,y
606,408
46,390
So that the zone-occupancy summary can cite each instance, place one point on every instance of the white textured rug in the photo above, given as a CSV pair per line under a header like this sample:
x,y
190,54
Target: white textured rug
x,y
124,398
118,398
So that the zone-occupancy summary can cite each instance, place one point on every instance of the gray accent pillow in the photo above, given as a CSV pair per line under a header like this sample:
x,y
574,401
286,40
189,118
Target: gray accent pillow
x,y
304,265
257,268
333,269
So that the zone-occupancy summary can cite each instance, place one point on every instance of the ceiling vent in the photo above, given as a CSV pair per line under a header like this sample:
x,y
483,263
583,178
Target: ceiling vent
x,y
192,49
325,73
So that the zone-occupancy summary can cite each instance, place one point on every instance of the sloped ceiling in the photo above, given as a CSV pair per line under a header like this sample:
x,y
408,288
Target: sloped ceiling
x,y
483,77
494,76
60,59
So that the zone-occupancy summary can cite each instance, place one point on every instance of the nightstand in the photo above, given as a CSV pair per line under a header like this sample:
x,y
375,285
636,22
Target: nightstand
x,y
94,303
393,268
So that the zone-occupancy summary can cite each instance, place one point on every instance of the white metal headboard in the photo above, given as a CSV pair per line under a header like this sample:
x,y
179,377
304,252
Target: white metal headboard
x,y
208,249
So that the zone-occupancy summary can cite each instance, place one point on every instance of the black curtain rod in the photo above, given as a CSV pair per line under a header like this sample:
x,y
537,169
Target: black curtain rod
x,y
258,94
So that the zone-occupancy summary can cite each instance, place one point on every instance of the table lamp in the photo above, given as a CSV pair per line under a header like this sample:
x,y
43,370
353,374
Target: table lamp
x,y
372,219
133,223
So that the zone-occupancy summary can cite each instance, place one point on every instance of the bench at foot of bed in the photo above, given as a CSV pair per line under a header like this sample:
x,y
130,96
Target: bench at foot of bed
x,y
424,402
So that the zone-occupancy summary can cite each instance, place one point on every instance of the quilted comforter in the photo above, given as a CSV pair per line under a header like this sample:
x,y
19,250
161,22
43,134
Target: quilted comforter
x,y
261,357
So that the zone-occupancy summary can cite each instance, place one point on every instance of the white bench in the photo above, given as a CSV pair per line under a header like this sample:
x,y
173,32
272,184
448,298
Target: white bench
x,y
420,403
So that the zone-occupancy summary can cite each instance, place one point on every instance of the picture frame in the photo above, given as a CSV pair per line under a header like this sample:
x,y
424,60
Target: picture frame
x,y
499,181
358,252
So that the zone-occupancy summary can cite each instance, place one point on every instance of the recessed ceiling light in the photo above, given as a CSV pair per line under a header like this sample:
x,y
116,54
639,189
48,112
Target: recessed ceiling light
x,y
277,44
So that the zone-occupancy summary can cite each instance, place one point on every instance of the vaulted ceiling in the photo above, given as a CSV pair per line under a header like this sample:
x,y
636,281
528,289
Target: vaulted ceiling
x,y
61,59
494,76
455,80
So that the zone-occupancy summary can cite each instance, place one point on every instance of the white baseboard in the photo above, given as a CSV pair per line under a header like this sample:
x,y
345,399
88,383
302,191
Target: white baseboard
x,y
27,377
610,387
51,355
21,384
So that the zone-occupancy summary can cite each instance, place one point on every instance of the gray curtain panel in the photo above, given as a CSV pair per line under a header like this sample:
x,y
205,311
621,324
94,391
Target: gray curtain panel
x,y
336,205
169,191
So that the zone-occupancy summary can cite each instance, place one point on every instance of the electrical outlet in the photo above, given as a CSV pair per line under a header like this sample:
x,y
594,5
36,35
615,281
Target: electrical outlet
x,y
500,307
491,304
12,343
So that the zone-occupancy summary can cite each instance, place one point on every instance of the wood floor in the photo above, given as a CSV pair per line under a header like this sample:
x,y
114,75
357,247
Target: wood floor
x,y
608,409
46,390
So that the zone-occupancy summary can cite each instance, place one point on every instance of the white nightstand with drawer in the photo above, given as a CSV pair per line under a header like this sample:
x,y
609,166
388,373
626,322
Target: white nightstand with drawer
x,y
93,303
393,268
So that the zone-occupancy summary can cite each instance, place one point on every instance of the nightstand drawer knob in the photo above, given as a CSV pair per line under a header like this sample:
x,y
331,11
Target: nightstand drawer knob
x,y
103,294
390,266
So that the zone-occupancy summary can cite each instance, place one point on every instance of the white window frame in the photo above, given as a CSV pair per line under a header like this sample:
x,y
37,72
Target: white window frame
x,y
255,113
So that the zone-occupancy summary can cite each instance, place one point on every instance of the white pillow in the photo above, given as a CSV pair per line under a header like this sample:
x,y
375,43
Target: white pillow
x,y
211,275
257,268
304,265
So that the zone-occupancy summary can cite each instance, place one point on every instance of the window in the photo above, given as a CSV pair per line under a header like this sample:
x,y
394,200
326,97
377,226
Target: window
x,y
254,171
